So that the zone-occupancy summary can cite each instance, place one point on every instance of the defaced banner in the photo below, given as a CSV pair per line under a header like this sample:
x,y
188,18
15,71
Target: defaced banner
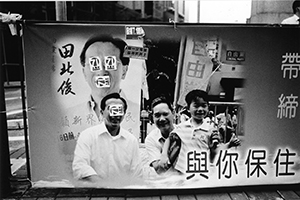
x,y
87,85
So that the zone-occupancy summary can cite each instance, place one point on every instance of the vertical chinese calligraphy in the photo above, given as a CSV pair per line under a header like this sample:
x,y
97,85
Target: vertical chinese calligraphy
x,y
65,52
287,107
290,66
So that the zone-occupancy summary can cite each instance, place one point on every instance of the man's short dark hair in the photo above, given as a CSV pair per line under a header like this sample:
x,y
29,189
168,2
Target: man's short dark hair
x,y
194,95
112,96
117,42
296,4
159,100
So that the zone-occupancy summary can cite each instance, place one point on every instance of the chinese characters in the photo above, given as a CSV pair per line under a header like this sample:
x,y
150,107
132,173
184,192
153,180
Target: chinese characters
x,y
287,107
290,65
288,104
136,52
256,164
65,52
195,69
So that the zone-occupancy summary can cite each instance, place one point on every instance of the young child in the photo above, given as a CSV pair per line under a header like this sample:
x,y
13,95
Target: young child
x,y
194,135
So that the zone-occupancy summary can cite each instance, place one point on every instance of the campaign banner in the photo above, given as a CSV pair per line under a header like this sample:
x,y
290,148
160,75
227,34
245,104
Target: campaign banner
x,y
197,67
250,73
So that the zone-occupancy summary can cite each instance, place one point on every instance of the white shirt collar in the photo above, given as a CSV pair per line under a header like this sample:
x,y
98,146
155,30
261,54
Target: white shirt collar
x,y
204,126
104,130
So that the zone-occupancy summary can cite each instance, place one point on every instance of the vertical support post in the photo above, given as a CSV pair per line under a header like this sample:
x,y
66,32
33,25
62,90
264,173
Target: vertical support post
x,y
5,172
142,9
215,114
24,107
198,11
176,11
179,69
61,10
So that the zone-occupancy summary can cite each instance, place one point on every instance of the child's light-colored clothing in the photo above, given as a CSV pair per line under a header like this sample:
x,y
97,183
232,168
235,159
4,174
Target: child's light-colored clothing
x,y
193,139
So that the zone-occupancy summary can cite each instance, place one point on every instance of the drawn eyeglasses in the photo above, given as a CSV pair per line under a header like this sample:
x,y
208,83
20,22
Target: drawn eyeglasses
x,y
109,63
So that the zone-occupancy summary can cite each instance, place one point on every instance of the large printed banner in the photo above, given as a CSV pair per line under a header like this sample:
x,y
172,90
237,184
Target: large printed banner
x,y
251,73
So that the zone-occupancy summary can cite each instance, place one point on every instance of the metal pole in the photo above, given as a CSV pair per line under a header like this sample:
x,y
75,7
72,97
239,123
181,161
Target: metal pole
x,y
179,69
24,107
176,11
5,188
198,11
142,9
61,10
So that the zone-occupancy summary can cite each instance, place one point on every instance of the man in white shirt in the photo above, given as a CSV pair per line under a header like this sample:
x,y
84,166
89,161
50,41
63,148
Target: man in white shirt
x,y
163,116
107,151
295,18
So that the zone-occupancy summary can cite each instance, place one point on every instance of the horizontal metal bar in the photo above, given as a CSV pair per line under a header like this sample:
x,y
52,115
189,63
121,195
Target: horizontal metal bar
x,y
226,103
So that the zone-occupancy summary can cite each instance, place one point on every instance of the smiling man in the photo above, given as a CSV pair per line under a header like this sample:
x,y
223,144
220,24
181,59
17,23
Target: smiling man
x,y
163,116
107,151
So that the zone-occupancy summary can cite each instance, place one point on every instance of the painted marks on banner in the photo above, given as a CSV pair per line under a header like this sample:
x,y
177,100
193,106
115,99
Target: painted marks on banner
x,y
110,63
235,55
136,52
134,32
116,110
102,81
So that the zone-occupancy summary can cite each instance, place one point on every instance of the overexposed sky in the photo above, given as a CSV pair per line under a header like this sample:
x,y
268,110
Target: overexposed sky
x,y
220,11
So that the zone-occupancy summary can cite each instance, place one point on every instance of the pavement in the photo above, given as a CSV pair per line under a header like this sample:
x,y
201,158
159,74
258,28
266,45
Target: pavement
x,y
13,102
14,115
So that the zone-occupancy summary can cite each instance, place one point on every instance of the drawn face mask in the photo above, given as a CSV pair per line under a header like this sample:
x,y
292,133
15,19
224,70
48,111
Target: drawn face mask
x,y
110,63
95,63
102,81
103,69
116,110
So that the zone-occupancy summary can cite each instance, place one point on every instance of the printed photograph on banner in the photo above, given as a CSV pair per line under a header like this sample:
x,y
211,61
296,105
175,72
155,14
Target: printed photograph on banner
x,y
149,107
